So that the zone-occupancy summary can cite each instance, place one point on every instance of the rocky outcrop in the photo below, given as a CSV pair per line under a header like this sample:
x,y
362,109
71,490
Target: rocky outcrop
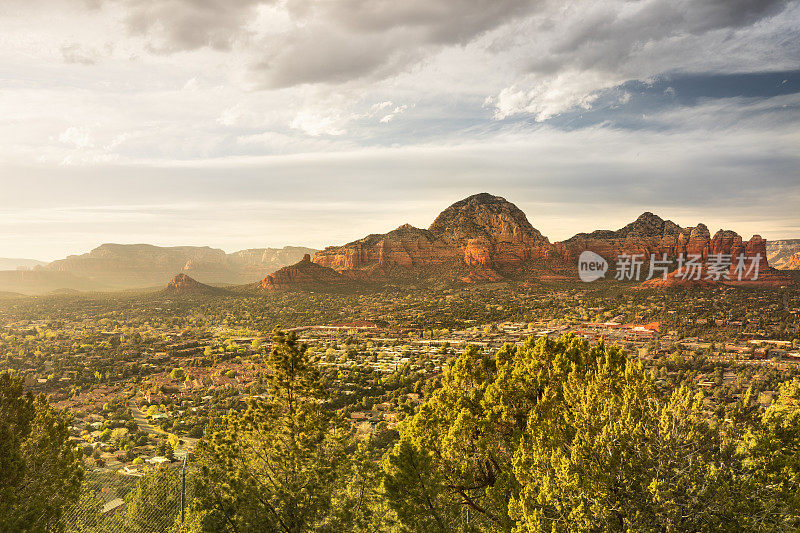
x,y
747,265
489,232
252,264
793,263
405,246
182,284
487,238
783,254
483,232
647,234
304,275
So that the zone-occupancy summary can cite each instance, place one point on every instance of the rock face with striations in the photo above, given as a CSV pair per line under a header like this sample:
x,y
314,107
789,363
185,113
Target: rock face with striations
x,y
647,234
483,232
303,275
489,232
784,254
752,269
793,263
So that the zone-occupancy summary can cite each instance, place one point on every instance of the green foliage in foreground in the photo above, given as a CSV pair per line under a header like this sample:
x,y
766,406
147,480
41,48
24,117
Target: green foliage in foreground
x,y
40,474
287,464
547,436
558,436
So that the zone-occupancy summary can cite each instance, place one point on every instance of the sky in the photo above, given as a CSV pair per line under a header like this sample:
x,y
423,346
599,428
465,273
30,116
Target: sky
x,y
251,123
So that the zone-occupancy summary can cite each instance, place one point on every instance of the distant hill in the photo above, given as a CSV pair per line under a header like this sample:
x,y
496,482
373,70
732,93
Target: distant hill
x,y
182,284
137,266
42,282
7,263
129,266
9,295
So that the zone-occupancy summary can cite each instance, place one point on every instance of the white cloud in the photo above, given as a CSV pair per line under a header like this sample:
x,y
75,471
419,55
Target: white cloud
x,y
547,99
77,137
316,124
396,111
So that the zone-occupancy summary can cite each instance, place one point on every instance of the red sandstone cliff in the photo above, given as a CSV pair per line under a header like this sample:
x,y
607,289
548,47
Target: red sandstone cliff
x,y
487,238
303,275
784,254
793,263
482,233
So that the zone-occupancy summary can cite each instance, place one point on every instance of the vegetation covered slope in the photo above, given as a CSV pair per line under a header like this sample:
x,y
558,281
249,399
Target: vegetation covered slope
x,y
551,435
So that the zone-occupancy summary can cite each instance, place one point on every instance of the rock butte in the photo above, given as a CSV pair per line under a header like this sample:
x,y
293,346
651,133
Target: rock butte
x,y
183,284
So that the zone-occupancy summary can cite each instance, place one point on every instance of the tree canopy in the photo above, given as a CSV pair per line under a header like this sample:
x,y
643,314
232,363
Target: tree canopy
x,y
40,473
561,436
285,464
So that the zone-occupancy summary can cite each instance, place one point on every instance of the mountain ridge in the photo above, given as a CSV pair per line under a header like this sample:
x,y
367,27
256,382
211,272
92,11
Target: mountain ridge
x,y
784,253
493,239
139,265
113,266
14,263
481,238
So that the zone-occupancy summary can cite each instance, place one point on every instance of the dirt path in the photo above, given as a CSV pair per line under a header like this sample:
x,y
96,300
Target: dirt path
x,y
142,422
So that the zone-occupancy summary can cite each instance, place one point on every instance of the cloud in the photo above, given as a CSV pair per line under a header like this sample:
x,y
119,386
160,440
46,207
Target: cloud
x,y
77,137
338,42
316,125
396,111
740,174
293,42
546,99
75,53
321,54
180,25
595,46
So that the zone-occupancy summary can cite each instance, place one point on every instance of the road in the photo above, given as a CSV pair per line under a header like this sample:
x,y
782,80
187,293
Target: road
x,y
141,420
146,427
